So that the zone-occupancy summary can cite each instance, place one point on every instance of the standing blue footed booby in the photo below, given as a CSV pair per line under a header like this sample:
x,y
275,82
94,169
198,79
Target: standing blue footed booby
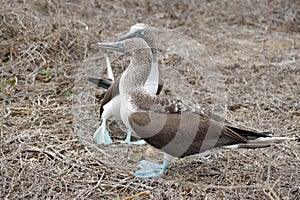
x,y
175,127
110,103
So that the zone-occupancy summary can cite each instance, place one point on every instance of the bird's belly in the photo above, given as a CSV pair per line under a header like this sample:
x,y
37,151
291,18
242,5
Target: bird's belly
x,y
126,110
151,87
152,81
115,104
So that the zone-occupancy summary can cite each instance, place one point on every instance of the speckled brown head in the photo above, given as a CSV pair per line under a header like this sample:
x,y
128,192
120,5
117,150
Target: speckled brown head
x,y
136,48
144,32
140,61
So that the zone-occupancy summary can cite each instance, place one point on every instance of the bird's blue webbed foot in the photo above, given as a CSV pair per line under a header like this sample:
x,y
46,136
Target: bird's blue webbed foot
x,y
101,135
150,169
128,139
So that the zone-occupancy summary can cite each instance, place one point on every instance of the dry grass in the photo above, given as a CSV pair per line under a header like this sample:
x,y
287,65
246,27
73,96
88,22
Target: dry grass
x,y
45,152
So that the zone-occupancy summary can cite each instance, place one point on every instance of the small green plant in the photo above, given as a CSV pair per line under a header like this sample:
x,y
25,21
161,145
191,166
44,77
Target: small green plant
x,y
2,86
11,81
68,95
46,73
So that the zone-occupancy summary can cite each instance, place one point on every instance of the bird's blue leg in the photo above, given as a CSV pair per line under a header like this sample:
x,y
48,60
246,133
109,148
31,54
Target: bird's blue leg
x,y
151,169
128,139
101,135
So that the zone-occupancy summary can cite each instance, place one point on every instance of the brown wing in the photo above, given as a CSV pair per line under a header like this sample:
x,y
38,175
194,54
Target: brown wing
x,y
112,91
104,83
182,134
161,104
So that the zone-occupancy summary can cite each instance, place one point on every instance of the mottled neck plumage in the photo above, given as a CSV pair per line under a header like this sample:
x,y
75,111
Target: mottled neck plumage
x,y
138,70
153,50
152,45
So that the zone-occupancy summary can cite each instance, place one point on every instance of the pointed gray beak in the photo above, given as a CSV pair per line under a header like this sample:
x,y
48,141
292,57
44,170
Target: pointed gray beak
x,y
114,46
131,34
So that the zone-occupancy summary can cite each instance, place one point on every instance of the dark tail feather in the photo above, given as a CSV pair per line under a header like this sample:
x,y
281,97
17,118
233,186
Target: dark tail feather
x,y
104,83
250,135
257,140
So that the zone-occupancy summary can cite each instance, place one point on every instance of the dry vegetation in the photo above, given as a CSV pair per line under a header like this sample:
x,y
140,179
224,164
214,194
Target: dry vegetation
x,y
44,47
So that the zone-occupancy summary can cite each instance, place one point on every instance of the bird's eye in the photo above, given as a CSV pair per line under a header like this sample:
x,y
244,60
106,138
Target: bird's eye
x,y
142,32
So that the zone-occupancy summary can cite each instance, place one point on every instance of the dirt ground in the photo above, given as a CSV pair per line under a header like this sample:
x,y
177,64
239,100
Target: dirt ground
x,y
46,145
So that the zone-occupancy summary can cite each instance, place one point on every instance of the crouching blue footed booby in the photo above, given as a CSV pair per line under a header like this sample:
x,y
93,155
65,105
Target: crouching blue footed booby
x,y
110,103
176,128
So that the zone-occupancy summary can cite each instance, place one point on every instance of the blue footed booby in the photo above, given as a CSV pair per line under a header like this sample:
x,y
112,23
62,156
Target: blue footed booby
x,y
110,103
168,124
